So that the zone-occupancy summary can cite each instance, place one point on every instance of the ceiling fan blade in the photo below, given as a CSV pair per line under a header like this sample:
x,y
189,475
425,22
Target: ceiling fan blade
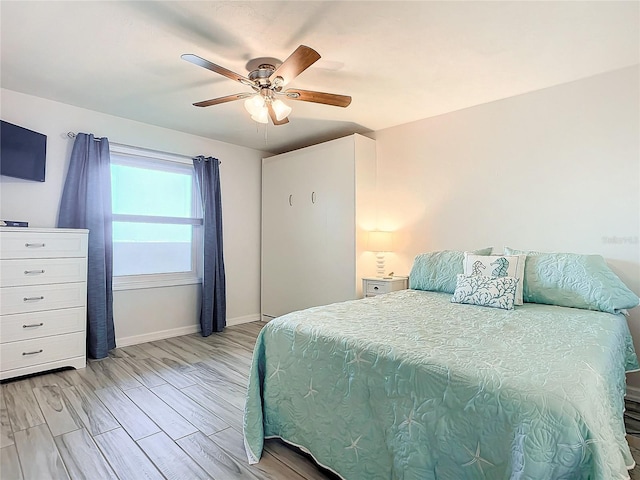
x,y
201,62
219,100
318,97
274,119
301,59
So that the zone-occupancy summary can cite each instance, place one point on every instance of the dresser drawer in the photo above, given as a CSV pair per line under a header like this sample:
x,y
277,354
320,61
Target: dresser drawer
x,y
25,326
36,298
41,350
38,271
33,244
374,288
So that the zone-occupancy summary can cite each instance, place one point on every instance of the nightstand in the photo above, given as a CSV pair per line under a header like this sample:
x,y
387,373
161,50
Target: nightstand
x,y
372,286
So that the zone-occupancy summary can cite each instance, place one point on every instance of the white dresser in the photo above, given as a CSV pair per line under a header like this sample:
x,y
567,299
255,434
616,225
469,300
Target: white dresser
x,y
43,299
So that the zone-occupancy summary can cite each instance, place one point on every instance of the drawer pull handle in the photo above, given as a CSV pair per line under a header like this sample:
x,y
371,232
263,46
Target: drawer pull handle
x,y
35,245
375,288
33,325
32,353
33,272
27,299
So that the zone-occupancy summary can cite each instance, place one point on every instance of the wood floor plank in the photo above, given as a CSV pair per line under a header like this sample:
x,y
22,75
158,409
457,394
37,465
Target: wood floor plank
x,y
172,423
203,419
171,374
93,378
10,464
55,409
125,456
228,413
220,387
119,377
39,457
142,372
22,406
82,457
269,468
170,459
50,379
132,419
218,370
91,412
134,352
294,460
166,358
213,459
170,345
6,432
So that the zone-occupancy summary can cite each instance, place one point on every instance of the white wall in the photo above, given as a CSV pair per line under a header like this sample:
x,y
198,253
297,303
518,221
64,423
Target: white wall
x,y
150,313
553,170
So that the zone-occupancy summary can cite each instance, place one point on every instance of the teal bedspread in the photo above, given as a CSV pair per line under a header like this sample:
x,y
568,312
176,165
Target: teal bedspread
x,y
411,386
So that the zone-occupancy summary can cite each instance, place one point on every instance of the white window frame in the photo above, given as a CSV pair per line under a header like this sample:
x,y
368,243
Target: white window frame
x,y
133,282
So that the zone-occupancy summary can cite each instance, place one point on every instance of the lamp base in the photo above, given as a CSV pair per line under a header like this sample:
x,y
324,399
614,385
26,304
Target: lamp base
x,y
380,265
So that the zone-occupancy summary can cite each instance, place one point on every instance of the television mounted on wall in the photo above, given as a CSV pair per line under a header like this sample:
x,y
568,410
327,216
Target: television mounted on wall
x,y
23,152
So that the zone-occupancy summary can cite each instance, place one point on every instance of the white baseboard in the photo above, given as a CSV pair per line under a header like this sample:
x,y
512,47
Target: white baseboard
x,y
255,317
176,332
633,394
159,335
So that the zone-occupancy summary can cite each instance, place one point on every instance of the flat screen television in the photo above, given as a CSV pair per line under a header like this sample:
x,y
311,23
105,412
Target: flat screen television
x,y
23,152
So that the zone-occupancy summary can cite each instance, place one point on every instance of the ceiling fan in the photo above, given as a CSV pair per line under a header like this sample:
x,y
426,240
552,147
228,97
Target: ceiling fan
x,y
268,82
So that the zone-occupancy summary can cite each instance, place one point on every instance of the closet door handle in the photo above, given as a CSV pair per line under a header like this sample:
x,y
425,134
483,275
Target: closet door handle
x,y
313,197
291,200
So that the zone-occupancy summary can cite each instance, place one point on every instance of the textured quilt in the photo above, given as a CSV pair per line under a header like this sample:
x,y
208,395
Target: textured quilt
x,y
411,386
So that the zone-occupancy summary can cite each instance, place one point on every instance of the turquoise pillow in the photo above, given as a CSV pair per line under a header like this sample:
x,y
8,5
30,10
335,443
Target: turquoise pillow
x,y
438,271
573,280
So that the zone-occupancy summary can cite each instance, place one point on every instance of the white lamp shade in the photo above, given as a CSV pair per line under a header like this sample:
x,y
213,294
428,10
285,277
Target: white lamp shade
x,y
281,109
261,116
255,105
380,241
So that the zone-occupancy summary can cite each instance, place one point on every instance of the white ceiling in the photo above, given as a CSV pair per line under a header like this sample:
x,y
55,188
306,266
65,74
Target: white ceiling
x,y
400,61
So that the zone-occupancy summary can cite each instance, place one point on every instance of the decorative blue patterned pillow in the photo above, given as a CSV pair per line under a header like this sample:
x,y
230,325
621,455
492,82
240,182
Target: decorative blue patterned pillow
x,y
436,271
497,292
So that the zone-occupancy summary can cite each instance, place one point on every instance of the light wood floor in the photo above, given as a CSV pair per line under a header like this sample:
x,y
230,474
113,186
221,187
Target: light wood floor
x,y
166,409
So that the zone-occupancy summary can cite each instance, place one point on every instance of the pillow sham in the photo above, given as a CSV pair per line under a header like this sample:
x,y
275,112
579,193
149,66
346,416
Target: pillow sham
x,y
437,271
574,280
497,266
486,291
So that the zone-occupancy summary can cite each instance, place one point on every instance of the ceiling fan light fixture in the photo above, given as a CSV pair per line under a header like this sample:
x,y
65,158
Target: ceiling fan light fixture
x,y
255,105
262,116
281,109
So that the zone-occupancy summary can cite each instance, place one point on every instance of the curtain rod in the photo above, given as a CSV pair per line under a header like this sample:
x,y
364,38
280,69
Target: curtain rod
x,y
73,135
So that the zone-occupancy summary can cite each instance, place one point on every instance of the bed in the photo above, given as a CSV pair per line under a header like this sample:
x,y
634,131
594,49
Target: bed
x,y
409,385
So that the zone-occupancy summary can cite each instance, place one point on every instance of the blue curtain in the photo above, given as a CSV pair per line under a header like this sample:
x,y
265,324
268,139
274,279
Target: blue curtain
x,y
213,313
86,203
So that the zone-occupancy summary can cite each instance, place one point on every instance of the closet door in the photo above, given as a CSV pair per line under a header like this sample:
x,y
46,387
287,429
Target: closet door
x,y
308,242
280,245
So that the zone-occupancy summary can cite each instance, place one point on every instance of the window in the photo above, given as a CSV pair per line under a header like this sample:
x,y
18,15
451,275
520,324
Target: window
x,y
155,218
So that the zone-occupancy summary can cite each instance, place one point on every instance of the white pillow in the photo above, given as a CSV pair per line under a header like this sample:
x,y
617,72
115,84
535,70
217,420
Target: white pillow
x,y
497,266
486,291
